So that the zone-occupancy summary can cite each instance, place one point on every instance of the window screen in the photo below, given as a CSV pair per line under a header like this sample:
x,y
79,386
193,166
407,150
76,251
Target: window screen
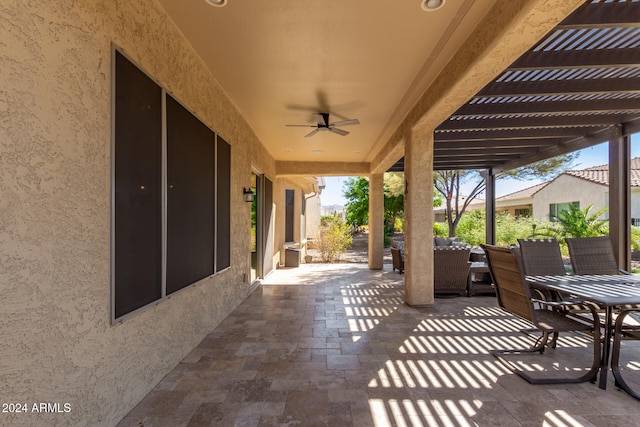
x,y
289,200
190,198
138,189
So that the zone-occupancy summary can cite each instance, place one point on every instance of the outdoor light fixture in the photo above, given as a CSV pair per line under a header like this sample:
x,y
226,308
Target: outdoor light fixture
x,y
431,5
216,3
248,194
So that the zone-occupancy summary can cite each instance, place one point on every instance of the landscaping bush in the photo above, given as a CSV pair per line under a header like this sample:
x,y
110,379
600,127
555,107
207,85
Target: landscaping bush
x,y
471,228
335,238
440,229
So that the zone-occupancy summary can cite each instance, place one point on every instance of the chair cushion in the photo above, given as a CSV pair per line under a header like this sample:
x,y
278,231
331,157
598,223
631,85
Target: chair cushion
x,y
442,241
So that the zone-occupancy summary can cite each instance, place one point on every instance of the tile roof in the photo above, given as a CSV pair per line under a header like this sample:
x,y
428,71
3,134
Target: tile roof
x,y
523,194
600,174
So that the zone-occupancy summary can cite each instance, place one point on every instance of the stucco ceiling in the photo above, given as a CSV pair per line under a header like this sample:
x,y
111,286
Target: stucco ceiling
x,y
281,61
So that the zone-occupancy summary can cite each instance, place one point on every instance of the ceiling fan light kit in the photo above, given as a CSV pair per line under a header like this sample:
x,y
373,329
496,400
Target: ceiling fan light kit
x,y
325,125
431,5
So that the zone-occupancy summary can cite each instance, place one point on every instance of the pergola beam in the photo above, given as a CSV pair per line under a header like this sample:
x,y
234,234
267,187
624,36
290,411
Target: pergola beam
x,y
565,87
532,121
608,106
471,135
545,60
602,14
558,150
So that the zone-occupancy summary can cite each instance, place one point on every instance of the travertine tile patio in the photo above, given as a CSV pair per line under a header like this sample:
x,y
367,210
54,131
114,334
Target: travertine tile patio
x,y
334,345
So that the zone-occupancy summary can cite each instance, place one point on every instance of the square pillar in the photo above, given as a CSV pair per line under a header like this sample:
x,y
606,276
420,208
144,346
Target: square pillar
x,y
418,210
376,221
620,197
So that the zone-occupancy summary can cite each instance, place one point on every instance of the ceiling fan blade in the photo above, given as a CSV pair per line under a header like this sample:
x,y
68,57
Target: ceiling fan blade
x,y
346,123
322,119
313,132
302,126
339,131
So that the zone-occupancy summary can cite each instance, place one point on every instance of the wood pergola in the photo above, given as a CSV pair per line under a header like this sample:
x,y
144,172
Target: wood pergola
x,y
578,87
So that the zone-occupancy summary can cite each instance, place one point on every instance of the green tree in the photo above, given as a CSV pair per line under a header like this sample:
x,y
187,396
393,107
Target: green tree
x,y
393,200
356,191
448,183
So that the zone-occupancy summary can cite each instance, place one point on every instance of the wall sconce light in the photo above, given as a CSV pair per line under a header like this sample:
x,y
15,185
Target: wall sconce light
x,y
248,194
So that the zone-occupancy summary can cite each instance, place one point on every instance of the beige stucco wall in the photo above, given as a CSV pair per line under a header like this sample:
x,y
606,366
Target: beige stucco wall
x,y
566,189
55,112
635,203
314,203
299,228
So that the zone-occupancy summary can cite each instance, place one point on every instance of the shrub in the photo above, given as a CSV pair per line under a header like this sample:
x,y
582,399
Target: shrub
x,y
471,228
580,223
440,229
335,238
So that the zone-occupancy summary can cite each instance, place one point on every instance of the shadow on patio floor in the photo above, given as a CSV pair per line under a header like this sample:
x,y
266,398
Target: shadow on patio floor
x,y
334,344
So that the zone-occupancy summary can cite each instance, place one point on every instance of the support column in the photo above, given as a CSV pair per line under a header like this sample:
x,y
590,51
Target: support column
x,y
418,210
490,207
376,221
620,197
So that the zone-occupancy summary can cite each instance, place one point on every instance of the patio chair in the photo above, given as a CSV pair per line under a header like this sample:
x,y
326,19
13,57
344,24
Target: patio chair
x,y
450,270
541,257
593,255
623,331
548,317
396,259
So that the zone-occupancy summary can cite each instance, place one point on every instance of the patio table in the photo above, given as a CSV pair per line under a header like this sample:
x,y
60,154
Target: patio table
x,y
607,291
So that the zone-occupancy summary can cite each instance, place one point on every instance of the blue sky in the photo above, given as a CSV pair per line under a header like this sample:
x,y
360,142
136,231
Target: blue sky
x,y
593,156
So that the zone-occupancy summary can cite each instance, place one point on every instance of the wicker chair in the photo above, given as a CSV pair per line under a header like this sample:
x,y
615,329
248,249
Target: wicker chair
x,y
397,260
549,318
593,255
450,270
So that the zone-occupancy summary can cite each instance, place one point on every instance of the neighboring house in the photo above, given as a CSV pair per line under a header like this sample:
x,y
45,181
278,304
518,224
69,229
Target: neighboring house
x,y
439,213
585,187
519,203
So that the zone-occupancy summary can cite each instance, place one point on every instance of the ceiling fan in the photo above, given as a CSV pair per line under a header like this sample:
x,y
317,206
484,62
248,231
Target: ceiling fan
x,y
325,125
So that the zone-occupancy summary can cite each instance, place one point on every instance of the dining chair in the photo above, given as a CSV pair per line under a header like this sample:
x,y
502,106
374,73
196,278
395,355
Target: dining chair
x,y
624,331
548,317
593,255
541,257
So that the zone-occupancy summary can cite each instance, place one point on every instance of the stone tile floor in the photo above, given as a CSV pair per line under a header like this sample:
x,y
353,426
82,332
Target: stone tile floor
x,y
334,345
